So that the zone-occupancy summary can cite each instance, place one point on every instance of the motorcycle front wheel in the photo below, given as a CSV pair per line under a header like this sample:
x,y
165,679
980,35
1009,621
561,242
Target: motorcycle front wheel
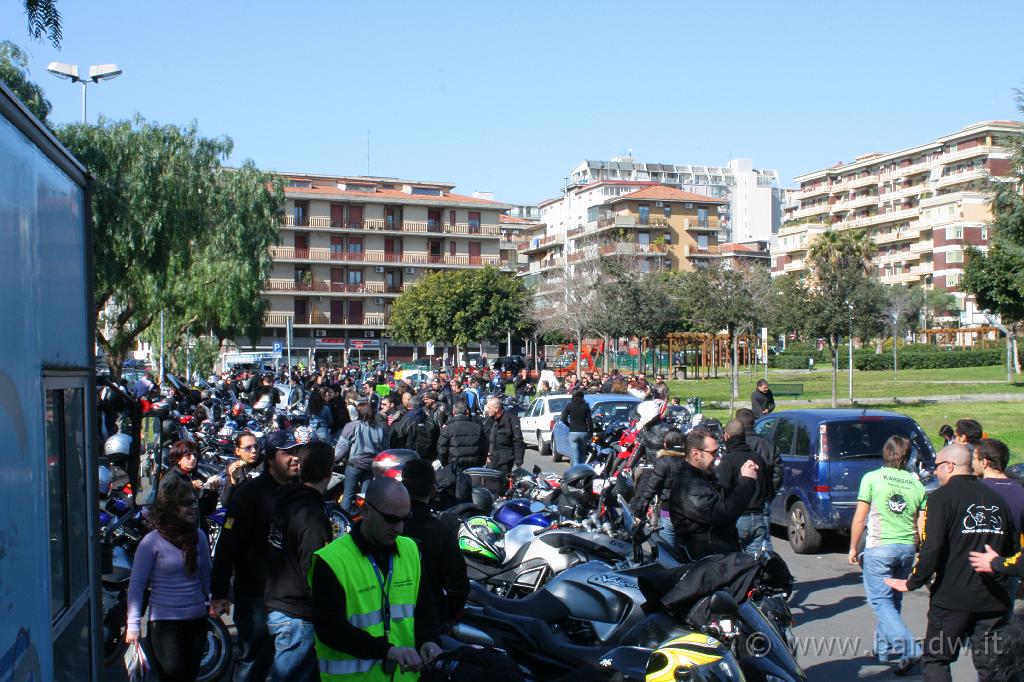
x,y
217,654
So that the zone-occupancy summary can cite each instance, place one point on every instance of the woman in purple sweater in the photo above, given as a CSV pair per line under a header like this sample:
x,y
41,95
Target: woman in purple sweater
x,y
174,561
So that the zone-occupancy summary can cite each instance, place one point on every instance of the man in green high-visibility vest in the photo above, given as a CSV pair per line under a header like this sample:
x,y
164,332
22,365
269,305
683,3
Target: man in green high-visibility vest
x,y
371,618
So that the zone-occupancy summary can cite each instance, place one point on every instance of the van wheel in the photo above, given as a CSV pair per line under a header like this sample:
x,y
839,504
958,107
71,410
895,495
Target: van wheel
x,y
804,538
543,448
555,455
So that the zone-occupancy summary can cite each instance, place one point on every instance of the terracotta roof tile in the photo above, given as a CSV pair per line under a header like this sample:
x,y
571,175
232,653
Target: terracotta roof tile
x,y
516,220
391,194
664,193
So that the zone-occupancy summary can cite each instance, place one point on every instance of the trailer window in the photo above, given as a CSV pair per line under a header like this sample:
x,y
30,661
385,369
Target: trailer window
x,y
66,499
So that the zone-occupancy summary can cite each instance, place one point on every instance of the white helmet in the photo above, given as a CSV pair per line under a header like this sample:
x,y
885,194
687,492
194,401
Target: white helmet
x,y
648,411
118,445
105,479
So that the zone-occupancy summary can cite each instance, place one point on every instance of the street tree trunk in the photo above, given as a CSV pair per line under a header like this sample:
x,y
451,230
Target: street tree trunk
x,y
734,372
835,368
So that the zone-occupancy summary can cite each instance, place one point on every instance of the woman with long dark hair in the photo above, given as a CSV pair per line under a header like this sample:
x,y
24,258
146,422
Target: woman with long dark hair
x,y
173,560
319,414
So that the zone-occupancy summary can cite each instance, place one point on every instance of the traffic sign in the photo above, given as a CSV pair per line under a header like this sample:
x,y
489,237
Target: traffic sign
x,y
430,347
277,347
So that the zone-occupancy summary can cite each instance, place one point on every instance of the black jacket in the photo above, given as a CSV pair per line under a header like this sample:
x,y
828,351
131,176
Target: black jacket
x,y
576,415
703,518
505,440
963,516
759,402
443,566
764,447
416,430
299,528
651,439
462,442
657,481
737,452
339,413
242,547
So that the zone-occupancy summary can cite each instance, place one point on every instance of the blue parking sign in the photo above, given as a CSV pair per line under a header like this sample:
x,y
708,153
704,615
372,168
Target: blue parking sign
x,y
277,347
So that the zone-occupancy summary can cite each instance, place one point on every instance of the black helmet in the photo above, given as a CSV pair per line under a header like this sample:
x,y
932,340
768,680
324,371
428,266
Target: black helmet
x,y
1016,472
483,499
580,477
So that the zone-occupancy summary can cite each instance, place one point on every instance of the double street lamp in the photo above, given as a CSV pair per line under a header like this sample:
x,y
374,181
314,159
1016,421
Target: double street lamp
x,y
97,73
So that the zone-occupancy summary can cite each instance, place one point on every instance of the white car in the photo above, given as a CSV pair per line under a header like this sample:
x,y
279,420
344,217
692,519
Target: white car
x,y
536,421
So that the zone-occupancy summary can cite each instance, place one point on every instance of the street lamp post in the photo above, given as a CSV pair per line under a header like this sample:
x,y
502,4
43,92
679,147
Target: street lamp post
x,y
97,73
849,354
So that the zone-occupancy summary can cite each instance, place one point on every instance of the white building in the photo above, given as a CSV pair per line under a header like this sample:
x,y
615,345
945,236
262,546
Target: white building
x,y
753,213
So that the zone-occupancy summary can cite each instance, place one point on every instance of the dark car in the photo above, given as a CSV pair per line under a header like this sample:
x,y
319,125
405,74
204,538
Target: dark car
x,y
825,453
509,365
604,407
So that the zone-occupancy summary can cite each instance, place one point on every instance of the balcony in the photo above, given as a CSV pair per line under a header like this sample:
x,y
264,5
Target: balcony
x,y
324,223
547,264
633,249
325,319
961,154
328,287
794,266
808,192
288,253
869,200
854,183
962,176
820,209
923,269
701,226
923,246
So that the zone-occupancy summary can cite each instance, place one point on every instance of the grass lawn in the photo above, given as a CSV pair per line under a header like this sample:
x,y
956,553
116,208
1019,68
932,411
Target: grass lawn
x,y
1002,420
818,383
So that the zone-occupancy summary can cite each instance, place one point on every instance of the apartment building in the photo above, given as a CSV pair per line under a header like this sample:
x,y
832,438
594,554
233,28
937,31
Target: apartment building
x,y
752,209
923,206
350,245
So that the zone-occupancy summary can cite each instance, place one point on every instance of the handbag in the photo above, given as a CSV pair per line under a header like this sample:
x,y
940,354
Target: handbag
x,y
136,664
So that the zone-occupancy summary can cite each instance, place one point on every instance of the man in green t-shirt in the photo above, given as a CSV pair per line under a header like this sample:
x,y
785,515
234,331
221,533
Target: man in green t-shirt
x,y
888,508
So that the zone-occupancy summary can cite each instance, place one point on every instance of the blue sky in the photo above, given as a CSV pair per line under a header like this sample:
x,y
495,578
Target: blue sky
x,y
507,97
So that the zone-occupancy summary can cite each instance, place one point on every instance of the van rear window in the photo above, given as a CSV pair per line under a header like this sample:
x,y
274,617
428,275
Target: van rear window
x,y
865,439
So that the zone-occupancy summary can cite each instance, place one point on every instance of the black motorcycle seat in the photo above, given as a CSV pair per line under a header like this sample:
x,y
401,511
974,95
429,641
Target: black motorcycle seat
x,y
540,605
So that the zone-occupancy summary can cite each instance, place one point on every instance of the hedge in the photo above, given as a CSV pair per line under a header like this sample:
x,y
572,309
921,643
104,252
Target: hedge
x,y
908,357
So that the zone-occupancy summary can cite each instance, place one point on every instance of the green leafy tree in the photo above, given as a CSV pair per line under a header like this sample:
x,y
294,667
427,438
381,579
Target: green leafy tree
x,y
15,75
44,20
838,289
996,277
174,231
718,297
461,307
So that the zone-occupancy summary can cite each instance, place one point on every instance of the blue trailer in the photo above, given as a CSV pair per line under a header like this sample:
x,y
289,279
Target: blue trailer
x,y
49,572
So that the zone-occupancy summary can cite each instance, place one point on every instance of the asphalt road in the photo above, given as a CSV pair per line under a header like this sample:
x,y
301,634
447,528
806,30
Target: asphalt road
x,y
835,625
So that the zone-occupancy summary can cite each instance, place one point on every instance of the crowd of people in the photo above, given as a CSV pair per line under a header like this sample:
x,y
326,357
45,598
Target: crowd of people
x,y
305,604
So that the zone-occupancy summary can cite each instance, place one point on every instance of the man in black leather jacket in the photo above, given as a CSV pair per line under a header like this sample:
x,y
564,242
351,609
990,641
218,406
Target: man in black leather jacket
x,y
653,430
703,518
462,442
658,481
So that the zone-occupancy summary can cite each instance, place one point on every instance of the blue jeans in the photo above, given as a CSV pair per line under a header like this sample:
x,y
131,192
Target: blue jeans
x,y
354,480
666,531
254,652
578,445
893,639
294,653
753,533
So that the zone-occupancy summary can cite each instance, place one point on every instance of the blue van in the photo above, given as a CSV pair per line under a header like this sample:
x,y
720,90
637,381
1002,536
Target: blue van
x,y
825,453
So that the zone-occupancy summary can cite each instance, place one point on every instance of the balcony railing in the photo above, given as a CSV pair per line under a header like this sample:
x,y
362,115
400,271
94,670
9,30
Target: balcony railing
x,y
331,255
961,154
331,287
633,249
384,225
956,178
326,319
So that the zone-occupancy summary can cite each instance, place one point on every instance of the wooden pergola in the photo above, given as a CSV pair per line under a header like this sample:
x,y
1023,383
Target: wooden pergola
x,y
961,337
700,355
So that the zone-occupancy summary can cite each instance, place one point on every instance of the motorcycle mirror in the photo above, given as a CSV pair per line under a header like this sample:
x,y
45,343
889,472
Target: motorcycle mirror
x,y
149,461
536,469
723,604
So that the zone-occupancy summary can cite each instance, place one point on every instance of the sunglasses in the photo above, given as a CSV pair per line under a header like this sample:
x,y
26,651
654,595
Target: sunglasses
x,y
392,519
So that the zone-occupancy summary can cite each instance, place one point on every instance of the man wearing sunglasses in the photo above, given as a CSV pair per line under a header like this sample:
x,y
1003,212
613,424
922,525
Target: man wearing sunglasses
x,y
370,615
963,516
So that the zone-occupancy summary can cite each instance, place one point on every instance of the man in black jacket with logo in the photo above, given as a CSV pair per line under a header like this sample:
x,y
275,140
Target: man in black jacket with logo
x,y
703,517
299,528
751,526
963,516
242,552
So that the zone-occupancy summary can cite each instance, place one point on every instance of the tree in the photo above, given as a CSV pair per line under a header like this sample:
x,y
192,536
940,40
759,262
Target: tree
x,y
44,20
15,75
718,297
575,312
996,277
839,288
460,307
902,308
174,231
